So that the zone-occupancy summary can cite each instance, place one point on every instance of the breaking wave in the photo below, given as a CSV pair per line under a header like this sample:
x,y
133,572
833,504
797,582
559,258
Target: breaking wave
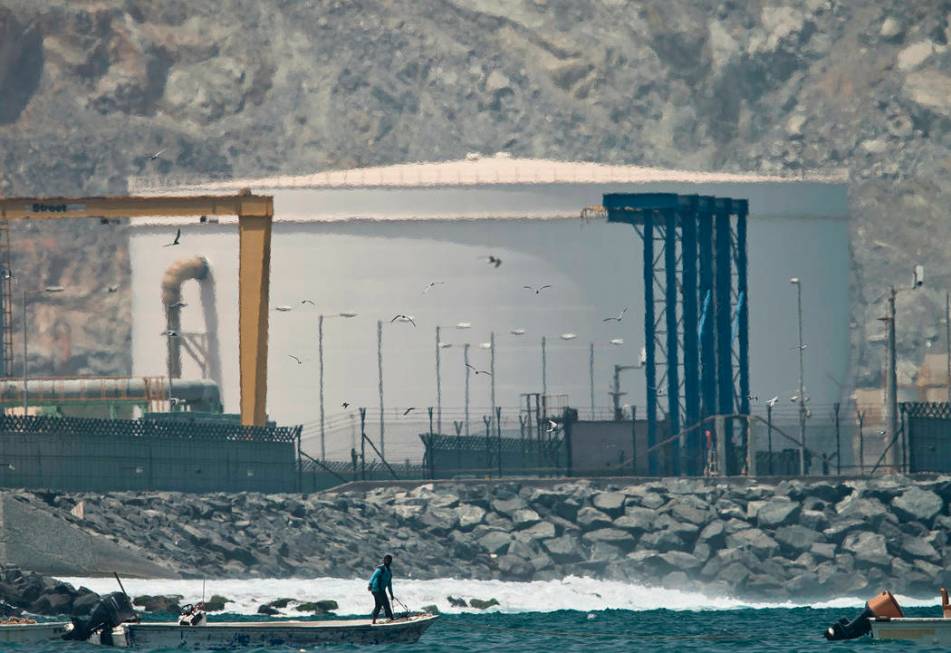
x,y
571,593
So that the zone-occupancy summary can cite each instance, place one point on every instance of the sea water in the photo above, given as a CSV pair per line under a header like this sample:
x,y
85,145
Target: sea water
x,y
573,614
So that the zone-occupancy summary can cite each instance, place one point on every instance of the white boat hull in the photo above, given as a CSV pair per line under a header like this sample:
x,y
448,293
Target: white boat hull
x,y
31,633
298,634
925,630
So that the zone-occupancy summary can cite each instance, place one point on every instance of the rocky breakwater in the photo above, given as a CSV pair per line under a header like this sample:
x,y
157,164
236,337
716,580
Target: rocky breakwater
x,y
745,538
24,592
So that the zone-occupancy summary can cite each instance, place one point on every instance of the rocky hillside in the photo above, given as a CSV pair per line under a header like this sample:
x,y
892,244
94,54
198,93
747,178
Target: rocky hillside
x,y
244,87
820,539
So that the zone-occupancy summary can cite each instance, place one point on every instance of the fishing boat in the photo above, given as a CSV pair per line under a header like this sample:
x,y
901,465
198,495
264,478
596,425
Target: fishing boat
x,y
884,619
114,622
260,634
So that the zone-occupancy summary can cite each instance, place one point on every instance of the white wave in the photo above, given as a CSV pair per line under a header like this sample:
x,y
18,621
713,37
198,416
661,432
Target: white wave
x,y
571,593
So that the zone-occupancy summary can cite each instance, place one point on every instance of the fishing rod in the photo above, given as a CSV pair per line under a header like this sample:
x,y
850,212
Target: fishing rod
x,y
119,580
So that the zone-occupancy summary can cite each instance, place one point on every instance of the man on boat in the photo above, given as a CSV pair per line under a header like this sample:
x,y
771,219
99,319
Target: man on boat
x,y
380,582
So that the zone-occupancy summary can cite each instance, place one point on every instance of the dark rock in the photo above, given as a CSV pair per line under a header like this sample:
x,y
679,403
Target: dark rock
x,y
525,517
823,550
160,604
515,568
268,610
281,603
814,519
480,604
431,609
540,531
713,533
509,506
755,540
563,549
495,542
216,603
917,547
662,541
610,535
457,602
635,519
317,607
680,560
469,516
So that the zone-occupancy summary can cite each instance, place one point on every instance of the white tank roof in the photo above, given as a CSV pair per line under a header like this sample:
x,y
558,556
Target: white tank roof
x,y
503,187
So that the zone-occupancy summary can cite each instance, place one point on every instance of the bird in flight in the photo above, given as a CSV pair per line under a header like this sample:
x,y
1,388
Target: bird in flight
x,y
153,157
552,426
492,260
478,371
112,289
177,241
618,318
772,402
346,404
617,341
517,332
283,308
408,411
299,361
539,289
55,289
403,318
433,284
307,301
169,333
178,305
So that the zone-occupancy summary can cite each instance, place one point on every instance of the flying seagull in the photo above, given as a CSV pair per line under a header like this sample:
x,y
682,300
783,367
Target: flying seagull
x,y
177,241
283,308
539,289
433,284
517,332
55,289
169,333
112,289
178,305
552,426
618,318
478,371
617,341
772,402
492,260
408,410
403,318
346,404
307,301
153,157
299,361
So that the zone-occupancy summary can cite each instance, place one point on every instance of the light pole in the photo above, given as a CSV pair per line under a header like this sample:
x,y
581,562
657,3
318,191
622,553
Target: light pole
x,y
802,398
26,391
591,376
617,394
442,345
379,368
320,359
544,380
465,358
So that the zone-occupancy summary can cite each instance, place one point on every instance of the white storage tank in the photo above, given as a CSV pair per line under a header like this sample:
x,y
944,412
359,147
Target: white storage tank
x,y
371,241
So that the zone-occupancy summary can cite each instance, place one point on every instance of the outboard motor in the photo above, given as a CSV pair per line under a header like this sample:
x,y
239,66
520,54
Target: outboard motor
x,y
193,615
112,610
883,606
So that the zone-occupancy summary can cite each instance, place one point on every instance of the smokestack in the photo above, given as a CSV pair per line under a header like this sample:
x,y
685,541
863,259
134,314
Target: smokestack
x,y
195,267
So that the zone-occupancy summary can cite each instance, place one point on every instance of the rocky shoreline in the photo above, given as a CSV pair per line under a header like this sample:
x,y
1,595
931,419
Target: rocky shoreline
x,y
790,539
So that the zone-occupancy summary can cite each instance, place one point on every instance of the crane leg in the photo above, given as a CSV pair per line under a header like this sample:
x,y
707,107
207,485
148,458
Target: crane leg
x,y
254,280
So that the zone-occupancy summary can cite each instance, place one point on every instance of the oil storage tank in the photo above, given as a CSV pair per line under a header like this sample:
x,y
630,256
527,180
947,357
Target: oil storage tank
x,y
415,240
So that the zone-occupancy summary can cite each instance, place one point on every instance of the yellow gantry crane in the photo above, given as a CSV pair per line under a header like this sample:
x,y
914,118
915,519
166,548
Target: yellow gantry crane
x,y
255,214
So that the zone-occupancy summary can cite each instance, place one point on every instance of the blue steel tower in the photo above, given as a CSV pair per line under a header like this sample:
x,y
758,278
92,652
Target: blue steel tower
x,y
696,325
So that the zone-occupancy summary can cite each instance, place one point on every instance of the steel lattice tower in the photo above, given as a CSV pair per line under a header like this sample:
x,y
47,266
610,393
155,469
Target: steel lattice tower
x,y
696,323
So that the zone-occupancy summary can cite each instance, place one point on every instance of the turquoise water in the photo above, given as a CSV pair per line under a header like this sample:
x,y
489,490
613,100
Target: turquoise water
x,y
770,629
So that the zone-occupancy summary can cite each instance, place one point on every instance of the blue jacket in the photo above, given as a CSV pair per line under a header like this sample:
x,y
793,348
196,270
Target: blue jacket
x,y
381,579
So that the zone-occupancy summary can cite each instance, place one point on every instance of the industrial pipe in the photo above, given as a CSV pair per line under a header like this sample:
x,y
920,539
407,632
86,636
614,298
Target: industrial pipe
x,y
201,394
195,267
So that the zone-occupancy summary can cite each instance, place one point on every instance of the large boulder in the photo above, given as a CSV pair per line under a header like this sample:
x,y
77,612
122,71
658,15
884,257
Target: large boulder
x,y
525,517
469,516
686,512
591,518
611,503
777,513
541,531
495,541
609,535
662,541
797,538
636,520
915,504
508,506
918,547
563,549
755,540
867,547
680,560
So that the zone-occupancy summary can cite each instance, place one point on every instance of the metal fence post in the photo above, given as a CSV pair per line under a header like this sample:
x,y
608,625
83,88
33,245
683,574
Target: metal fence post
x,y
838,441
861,419
488,443
769,431
363,445
498,439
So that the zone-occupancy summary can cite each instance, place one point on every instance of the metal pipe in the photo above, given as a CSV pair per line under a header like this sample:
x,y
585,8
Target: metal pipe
x,y
591,376
492,370
198,392
544,397
379,365
802,396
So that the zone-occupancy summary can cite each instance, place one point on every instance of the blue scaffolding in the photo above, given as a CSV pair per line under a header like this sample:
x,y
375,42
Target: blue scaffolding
x,y
696,323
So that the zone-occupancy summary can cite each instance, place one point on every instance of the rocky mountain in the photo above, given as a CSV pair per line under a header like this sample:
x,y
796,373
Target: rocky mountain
x,y
244,87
